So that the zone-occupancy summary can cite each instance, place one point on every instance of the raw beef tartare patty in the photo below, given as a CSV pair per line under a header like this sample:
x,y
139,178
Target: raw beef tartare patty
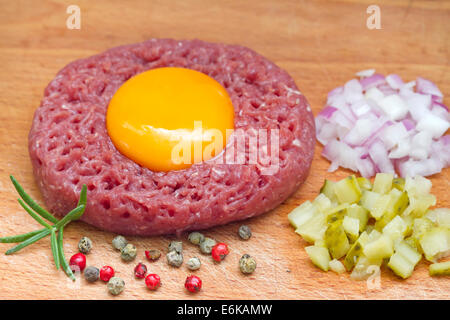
x,y
69,144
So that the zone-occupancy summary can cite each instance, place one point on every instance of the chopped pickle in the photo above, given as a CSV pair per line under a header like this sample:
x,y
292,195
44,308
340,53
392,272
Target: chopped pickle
x,y
419,205
301,214
440,269
434,243
440,216
358,212
417,186
380,206
380,248
347,190
383,183
364,183
355,251
320,243
313,229
336,266
319,256
335,216
369,225
420,227
368,199
365,267
328,190
401,267
398,183
408,252
322,203
336,240
396,229
336,209
351,227
397,204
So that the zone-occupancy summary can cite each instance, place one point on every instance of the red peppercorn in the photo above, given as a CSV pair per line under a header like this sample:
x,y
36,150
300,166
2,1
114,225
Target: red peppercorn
x,y
219,251
153,281
106,273
77,262
140,270
193,284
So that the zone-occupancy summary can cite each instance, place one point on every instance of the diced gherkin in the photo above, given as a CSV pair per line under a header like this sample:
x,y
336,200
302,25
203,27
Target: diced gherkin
x,y
398,183
440,269
322,203
347,190
364,183
301,214
355,251
381,248
358,212
328,190
435,243
313,229
336,240
336,266
383,183
351,228
319,256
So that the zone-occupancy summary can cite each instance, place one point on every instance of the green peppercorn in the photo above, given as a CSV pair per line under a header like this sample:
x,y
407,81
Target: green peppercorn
x,y
207,245
115,285
176,246
174,259
247,264
244,232
193,263
91,274
119,242
128,253
196,238
85,245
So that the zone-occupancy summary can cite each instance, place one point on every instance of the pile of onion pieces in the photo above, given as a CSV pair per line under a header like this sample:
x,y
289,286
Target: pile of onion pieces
x,y
382,124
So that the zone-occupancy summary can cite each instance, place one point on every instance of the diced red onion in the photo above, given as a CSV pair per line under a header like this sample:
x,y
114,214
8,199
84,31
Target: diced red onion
x,y
327,112
425,86
394,81
379,124
372,81
409,124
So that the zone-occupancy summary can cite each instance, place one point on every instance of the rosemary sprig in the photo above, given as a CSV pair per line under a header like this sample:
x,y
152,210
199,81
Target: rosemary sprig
x,y
39,214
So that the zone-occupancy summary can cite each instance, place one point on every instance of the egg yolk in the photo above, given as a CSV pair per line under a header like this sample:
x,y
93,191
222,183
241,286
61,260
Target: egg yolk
x,y
169,118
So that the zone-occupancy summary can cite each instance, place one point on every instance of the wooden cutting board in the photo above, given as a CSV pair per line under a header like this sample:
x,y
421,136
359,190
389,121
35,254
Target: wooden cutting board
x,y
320,43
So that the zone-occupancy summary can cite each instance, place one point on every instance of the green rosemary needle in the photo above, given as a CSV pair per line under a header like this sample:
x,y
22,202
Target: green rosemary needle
x,y
39,214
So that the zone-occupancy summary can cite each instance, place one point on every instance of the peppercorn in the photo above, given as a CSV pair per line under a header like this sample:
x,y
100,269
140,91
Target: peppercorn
x,y
91,274
176,246
106,273
206,245
85,245
77,262
128,253
196,238
193,284
115,285
119,242
140,270
244,232
153,281
247,264
153,254
219,251
193,263
174,259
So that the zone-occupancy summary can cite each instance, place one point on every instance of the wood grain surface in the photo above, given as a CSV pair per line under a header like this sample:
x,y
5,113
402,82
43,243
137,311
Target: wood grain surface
x,y
320,43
